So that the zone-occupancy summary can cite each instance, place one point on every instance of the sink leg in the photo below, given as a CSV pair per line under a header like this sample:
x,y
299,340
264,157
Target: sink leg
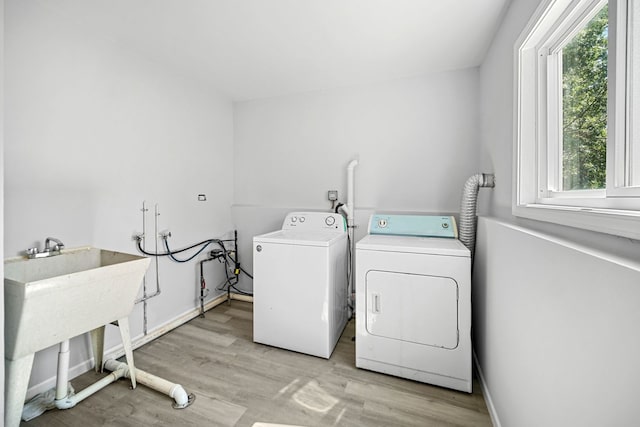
x,y
123,325
17,374
97,342
62,379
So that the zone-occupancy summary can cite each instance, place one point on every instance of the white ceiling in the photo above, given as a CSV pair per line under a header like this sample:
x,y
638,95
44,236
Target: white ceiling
x,y
261,48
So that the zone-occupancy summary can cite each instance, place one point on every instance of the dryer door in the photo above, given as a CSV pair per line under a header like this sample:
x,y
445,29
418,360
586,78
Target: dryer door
x,y
412,307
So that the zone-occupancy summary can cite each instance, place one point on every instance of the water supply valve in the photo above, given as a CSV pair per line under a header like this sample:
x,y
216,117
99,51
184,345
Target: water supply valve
x,y
216,253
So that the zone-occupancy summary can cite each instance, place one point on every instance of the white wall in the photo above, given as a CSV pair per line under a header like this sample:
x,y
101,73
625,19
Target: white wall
x,y
92,130
519,292
558,337
2,200
416,141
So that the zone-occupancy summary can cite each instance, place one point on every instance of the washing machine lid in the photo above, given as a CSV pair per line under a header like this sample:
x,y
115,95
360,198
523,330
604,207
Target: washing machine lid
x,y
409,244
304,238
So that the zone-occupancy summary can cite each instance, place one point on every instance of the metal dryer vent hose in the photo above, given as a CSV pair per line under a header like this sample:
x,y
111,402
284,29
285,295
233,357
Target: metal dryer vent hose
x,y
468,219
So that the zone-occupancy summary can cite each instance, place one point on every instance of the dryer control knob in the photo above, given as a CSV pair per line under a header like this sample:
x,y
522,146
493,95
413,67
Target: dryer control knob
x,y
259,248
294,219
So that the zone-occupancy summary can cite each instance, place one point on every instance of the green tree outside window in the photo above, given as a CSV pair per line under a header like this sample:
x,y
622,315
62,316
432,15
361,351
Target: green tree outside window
x,y
584,106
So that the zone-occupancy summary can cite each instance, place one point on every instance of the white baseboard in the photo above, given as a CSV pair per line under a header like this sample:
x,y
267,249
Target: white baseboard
x,y
487,395
140,340
136,342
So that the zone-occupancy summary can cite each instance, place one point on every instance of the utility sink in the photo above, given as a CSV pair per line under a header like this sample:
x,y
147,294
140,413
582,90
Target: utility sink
x,y
49,300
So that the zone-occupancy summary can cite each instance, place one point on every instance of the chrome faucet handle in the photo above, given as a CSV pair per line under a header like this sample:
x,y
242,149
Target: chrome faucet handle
x,y
33,253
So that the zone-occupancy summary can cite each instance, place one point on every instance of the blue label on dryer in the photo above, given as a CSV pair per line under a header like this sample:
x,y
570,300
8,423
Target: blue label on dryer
x,y
414,225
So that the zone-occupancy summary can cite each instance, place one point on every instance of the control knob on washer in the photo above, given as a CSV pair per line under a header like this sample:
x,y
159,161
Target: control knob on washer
x,y
329,220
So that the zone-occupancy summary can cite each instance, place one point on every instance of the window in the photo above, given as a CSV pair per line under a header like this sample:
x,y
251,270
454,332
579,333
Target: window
x,y
580,81
577,79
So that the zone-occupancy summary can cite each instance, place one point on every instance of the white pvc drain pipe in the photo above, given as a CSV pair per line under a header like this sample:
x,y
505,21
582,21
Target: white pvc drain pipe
x,y
175,391
71,400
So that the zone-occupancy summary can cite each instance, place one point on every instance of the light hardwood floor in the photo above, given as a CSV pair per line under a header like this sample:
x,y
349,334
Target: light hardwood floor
x,y
238,383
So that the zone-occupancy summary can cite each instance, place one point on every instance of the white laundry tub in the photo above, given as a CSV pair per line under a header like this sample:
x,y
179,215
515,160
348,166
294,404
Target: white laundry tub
x,y
50,300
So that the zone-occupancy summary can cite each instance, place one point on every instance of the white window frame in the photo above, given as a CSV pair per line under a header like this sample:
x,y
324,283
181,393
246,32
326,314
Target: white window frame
x,y
614,210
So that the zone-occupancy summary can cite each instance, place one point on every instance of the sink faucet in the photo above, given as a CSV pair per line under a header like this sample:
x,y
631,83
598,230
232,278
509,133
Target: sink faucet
x,y
59,245
48,250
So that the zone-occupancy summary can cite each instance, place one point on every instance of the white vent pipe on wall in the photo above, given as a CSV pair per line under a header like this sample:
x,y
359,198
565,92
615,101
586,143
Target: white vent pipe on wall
x,y
468,207
349,208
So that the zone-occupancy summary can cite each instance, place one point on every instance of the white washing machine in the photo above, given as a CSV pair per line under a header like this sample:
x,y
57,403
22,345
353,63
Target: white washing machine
x,y
413,306
300,283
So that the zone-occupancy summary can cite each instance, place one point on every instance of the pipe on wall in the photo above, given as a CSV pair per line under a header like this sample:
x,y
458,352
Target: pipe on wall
x,y
349,209
468,207
350,191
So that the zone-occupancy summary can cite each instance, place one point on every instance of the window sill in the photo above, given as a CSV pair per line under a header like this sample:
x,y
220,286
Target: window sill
x,y
625,223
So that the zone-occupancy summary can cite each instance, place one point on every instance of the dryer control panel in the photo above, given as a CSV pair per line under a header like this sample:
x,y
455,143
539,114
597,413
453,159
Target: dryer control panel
x,y
414,225
314,221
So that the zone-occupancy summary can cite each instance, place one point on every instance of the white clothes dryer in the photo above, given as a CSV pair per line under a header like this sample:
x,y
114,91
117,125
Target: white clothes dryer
x,y
413,308
300,284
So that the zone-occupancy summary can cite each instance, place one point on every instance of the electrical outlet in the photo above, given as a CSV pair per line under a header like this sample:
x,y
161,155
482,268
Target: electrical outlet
x,y
332,195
